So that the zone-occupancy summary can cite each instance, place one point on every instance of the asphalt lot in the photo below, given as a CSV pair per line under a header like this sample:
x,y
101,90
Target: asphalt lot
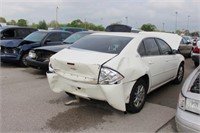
x,y
28,105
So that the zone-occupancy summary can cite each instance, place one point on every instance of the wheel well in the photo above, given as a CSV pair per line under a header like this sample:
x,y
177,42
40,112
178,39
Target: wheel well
x,y
24,52
182,63
146,79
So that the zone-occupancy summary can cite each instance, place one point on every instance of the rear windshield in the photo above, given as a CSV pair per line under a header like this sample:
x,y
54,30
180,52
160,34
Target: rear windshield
x,y
102,43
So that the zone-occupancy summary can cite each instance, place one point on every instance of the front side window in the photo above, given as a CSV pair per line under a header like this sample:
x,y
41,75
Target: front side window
x,y
102,43
151,47
165,48
54,37
64,36
74,37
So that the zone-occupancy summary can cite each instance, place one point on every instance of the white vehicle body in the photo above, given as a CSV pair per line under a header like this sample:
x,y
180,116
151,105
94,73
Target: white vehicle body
x,y
79,71
188,108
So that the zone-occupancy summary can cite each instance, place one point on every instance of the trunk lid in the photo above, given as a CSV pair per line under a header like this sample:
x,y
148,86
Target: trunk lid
x,y
79,65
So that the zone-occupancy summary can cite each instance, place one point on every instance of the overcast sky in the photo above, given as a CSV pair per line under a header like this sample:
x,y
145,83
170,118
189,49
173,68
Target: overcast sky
x,y
161,13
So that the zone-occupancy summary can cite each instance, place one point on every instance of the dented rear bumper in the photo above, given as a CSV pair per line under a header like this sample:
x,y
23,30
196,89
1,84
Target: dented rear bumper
x,y
113,94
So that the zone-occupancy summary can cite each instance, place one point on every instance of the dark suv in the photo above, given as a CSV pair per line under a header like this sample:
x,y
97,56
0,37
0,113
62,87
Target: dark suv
x,y
7,33
14,35
17,53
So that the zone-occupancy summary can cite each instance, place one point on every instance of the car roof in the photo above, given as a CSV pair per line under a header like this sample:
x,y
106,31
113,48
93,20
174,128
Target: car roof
x,y
16,27
52,31
172,39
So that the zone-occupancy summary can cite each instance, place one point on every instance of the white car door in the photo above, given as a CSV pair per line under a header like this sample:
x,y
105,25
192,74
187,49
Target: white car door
x,y
152,58
169,59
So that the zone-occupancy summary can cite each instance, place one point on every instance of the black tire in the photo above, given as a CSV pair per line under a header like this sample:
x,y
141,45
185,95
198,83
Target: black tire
x,y
189,55
196,64
71,95
137,97
23,62
180,74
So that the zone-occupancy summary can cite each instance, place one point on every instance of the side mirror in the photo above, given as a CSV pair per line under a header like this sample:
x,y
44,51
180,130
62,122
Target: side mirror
x,y
188,42
48,40
174,51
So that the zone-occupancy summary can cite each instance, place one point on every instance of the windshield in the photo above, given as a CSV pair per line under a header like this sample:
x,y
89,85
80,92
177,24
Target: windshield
x,y
102,43
74,37
35,36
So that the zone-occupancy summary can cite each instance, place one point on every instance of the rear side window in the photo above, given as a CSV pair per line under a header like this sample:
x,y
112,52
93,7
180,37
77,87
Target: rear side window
x,y
103,43
21,33
164,47
141,49
151,47
10,33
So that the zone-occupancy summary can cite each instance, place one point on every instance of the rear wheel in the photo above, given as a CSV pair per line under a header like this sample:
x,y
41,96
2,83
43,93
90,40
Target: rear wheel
x,y
180,74
137,97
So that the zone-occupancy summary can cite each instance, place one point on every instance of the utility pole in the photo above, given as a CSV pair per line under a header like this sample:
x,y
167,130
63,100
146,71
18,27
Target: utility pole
x,y
126,20
188,22
163,26
176,22
57,16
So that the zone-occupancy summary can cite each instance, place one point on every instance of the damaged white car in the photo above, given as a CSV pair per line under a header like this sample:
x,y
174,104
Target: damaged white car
x,y
120,68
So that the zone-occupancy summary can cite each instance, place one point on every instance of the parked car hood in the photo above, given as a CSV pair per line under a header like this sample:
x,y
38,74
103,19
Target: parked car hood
x,y
79,65
20,43
10,43
53,48
172,39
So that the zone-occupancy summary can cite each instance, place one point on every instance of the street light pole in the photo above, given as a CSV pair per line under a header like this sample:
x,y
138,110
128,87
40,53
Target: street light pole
x,y
126,20
163,26
188,22
57,16
176,21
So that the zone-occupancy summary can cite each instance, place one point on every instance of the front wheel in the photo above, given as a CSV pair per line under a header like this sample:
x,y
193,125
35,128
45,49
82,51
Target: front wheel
x,y
23,61
180,74
137,97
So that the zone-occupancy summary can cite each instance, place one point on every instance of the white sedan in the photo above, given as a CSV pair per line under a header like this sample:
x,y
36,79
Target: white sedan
x,y
120,68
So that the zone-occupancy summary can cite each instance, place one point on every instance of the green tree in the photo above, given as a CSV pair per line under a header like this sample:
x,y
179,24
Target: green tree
x,y
76,23
2,20
22,22
34,25
12,22
53,24
148,27
42,25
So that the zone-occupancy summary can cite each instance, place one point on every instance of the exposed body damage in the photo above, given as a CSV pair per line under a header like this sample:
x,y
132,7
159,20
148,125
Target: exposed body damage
x,y
79,72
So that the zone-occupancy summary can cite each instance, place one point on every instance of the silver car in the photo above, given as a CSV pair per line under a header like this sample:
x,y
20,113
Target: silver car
x,y
185,47
188,109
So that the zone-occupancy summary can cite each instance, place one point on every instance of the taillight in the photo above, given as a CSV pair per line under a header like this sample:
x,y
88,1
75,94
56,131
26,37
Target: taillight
x,y
196,50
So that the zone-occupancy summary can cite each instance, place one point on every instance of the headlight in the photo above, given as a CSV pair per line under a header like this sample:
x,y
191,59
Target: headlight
x,y
51,68
14,50
189,104
193,105
109,76
32,54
